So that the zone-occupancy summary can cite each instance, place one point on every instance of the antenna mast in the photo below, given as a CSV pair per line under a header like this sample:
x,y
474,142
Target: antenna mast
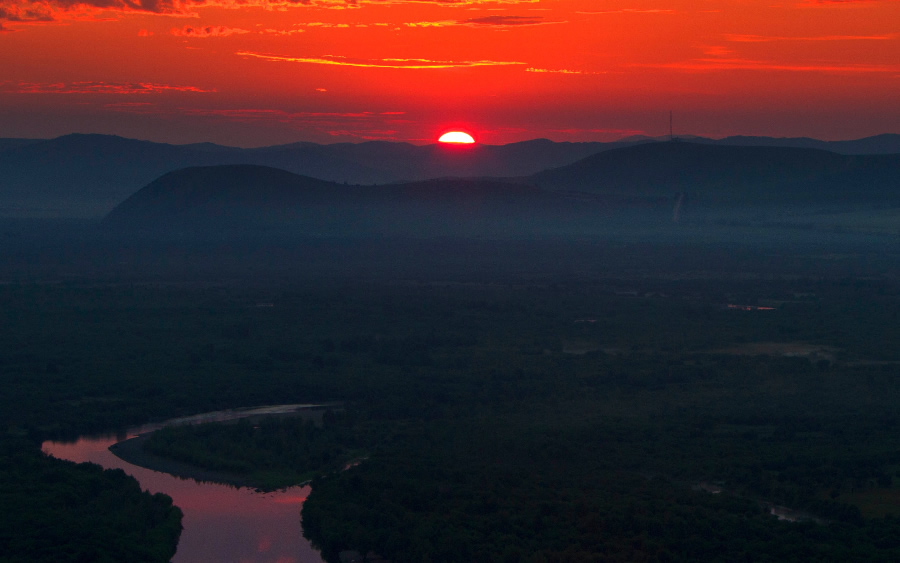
x,y
671,134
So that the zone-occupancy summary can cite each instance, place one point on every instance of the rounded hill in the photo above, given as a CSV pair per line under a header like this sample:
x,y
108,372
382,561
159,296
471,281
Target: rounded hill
x,y
204,195
241,197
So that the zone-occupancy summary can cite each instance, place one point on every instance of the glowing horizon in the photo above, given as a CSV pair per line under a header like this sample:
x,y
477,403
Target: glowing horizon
x,y
456,138
264,72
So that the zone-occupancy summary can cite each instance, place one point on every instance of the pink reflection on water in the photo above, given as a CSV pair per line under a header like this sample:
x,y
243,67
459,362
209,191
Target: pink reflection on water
x,y
221,523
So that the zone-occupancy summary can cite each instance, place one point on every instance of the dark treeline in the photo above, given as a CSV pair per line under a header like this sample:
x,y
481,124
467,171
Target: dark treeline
x,y
58,511
271,453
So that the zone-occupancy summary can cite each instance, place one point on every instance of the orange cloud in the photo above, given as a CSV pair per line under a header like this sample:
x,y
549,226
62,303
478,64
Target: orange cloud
x,y
208,31
705,65
717,51
329,25
559,71
282,31
628,11
769,39
96,88
378,63
439,23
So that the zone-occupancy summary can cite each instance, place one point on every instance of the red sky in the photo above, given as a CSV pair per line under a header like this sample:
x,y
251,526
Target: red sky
x,y
259,72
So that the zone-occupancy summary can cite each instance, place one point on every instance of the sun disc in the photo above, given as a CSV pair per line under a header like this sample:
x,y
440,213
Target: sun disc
x,y
456,137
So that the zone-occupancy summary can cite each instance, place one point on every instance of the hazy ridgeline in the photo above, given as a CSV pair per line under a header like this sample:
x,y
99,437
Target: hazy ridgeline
x,y
86,176
547,369
707,189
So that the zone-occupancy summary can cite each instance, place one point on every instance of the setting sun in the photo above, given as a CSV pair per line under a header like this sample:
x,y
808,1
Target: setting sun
x,y
456,137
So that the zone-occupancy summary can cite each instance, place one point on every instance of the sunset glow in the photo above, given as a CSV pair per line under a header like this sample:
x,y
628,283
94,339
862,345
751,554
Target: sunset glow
x,y
457,137
271,71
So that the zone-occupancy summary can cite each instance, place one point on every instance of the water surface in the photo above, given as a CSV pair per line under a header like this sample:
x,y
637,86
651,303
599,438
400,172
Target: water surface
x,y
221,523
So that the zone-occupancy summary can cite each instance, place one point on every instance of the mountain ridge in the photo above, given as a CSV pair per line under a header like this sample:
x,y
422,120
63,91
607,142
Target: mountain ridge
x,y
650,184
86,175
739,174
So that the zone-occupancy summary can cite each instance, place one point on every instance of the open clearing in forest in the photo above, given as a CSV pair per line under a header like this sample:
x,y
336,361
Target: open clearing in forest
x,y
874,503
813,352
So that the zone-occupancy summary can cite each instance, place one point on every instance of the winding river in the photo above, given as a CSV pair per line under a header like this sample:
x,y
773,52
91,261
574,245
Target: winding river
x,y
221,523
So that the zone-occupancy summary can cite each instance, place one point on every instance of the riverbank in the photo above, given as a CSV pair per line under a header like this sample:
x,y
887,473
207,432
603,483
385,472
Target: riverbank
x,y
221,522
132,451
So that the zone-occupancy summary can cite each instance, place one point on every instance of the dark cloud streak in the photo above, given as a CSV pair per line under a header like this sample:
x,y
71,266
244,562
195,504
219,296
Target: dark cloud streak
x,y
87,87
504,21
208,31
31,11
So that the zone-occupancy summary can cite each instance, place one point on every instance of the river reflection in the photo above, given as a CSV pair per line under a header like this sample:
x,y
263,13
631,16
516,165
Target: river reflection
x,y
221,523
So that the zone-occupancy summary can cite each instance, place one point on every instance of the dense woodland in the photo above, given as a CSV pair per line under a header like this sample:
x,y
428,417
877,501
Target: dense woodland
x,y
58,511
601,404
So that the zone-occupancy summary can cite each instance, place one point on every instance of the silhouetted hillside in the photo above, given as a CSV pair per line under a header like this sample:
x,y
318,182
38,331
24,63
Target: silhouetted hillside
x,y
238,198
221,192
6,144
81,175
87,175
730,174
878,144
640,186
412,163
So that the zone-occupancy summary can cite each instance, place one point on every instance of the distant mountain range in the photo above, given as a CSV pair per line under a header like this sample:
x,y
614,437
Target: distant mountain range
x,y
653,183
88,175
878,144
732,175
